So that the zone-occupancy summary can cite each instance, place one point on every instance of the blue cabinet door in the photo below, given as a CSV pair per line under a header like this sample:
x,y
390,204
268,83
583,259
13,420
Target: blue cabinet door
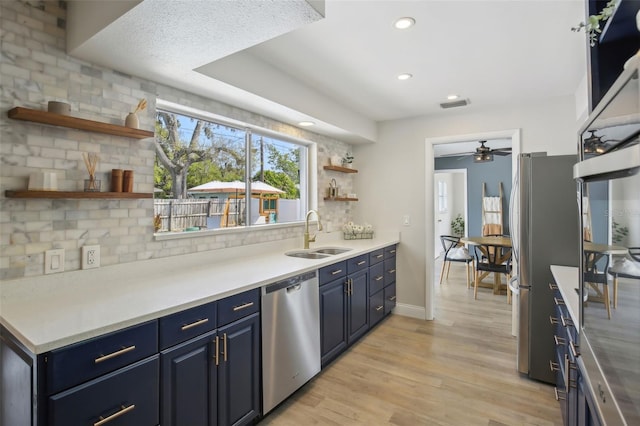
x,y
333,316
189,393
358,305
239,372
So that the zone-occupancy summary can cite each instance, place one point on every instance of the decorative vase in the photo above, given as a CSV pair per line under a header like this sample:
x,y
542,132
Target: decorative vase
x,y
92,184
132,121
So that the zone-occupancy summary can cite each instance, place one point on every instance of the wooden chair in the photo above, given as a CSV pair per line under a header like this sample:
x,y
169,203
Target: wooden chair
x,y
451,246
634,252
595,278
494,259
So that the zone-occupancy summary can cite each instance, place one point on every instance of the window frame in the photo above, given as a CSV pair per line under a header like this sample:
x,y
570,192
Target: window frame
x,y
308,163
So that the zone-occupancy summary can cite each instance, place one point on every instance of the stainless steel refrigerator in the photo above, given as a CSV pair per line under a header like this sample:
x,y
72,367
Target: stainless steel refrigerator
x,y
545,231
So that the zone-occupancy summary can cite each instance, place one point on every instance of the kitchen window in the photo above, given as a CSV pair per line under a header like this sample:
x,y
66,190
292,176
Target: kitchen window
x,y
206,165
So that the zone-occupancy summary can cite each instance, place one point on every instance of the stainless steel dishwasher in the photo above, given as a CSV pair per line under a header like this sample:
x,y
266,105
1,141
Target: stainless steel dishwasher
x,y
290,337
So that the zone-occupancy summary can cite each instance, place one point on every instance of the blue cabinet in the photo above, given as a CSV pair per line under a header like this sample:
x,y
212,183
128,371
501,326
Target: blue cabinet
x,y
357,305
333,315
214,379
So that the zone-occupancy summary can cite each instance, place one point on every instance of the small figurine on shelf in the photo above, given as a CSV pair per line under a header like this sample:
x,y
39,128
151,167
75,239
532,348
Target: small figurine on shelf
x,y
347,160
91,161
132,118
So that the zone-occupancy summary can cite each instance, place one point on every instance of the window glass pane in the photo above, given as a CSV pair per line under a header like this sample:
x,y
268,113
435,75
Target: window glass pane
x,y
276,180
199,174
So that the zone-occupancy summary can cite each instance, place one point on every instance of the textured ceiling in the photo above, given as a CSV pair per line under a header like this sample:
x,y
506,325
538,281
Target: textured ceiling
x,y
340,71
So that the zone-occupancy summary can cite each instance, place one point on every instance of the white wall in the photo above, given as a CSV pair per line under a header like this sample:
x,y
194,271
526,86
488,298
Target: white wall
x,y
392,180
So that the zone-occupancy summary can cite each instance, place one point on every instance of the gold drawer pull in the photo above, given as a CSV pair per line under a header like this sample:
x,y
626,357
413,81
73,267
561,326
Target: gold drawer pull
x,y
379,256
379,308
566,321
114,354
554,320
194,324
574,350
362,262
554,366
553,286
392,251
392,271
243,306
379,277
559,340
558,392
392,298
123,410
337,271
558,301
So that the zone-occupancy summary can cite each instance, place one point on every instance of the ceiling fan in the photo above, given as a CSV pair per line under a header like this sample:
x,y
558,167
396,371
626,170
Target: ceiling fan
x,y
594,144
483,153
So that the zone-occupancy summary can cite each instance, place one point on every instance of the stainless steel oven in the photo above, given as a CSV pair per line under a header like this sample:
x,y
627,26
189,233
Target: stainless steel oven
x,y
608,173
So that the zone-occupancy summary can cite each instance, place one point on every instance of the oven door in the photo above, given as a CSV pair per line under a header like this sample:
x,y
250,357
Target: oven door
x,y
610,283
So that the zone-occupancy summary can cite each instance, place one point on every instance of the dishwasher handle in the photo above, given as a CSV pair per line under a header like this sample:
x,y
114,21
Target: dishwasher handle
x,y
290,283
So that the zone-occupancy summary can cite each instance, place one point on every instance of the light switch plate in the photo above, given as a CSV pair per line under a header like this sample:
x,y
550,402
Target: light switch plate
x,y
53,261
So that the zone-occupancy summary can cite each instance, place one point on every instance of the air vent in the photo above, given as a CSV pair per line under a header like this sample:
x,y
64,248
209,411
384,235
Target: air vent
x,y
454,104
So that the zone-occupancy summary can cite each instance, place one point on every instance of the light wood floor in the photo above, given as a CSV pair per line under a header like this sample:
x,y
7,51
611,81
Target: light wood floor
x,y
457,370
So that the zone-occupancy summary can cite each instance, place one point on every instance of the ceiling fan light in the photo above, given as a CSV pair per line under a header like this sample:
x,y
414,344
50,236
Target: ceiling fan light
x,y
482,157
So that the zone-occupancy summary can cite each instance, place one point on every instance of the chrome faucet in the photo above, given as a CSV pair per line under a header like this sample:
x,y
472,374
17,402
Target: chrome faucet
x,y
310,238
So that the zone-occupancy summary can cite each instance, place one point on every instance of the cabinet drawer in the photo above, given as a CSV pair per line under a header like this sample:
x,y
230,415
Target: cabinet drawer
x,y
332,272
72,365
389,271
358,263
376,256
376,308
389,298
376,277
238,306
129,396
187,324
390,252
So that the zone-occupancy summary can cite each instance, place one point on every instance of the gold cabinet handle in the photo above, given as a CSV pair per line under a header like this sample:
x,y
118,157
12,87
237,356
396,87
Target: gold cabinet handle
x,y
392,298
392,271
553,366
379,308
379,277
553,286
566,321
379,256
337,271
351,285
243,306
392,251
123,410
362,262
217,349
558,392
553,320
559,340
574,350
122,351
558,301
224,346
194,324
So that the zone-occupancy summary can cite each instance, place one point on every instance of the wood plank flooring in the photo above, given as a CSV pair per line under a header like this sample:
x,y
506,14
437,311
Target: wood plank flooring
x,y
459,369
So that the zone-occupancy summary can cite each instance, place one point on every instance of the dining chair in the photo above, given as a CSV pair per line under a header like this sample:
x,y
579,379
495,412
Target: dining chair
x,y
496,259
595,277
624,269
454,251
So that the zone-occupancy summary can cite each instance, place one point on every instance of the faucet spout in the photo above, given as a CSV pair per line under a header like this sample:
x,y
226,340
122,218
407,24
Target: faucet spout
x,y
307,237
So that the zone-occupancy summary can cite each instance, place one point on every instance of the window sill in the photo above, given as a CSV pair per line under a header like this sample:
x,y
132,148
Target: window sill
x,y
166,236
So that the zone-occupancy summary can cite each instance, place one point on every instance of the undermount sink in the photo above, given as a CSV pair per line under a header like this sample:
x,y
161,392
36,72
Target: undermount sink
x,y
331,250
307,254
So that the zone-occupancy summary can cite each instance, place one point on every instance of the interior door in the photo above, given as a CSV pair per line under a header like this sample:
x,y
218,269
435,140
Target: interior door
x,y
442,214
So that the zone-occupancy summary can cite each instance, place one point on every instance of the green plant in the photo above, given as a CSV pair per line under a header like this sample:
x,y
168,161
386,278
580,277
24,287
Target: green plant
x,y
592,26
348,158
619,232
457,226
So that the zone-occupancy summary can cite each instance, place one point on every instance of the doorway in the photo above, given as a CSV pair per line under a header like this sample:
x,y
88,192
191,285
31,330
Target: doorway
x,y
430,228
450,192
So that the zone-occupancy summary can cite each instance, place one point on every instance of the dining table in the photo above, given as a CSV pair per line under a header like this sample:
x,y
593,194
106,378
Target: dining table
x,y
500,241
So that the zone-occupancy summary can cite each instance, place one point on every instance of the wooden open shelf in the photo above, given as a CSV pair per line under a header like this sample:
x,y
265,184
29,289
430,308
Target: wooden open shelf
x,y
340,169
45,117
76,195
340,199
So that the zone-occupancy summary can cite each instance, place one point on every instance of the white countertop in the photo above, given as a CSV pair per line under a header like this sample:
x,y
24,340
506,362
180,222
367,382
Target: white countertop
x,y
51,311
567,279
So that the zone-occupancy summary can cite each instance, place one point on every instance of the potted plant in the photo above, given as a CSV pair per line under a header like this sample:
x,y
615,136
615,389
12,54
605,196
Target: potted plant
x,y
592,26
347,160
457,226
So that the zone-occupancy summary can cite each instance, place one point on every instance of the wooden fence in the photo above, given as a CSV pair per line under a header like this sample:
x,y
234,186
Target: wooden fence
x,y
180,214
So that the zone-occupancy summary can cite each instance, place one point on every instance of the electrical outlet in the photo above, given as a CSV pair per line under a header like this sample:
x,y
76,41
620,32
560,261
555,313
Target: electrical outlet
x,y
90,257
53,261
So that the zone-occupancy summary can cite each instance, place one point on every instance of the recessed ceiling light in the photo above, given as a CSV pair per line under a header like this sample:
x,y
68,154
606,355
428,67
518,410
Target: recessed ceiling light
x,y
404,76
452,97
306,123
404,23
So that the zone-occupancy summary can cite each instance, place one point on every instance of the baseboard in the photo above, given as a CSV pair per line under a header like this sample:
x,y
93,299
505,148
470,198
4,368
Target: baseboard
x,y
409,311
